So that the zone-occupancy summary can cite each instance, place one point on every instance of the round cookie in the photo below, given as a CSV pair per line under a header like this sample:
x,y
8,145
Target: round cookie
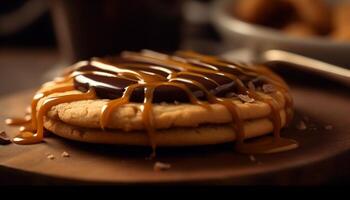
x,y
127,100
202,135
87,113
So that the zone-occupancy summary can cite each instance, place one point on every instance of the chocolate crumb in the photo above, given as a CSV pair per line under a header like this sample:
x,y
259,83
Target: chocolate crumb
x,y
328,127
4,139
301,126
65,154
268,88
51,157
159,166
245,98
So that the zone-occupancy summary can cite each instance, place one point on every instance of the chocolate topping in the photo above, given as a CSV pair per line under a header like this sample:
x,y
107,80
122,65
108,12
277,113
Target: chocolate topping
x,y
111,85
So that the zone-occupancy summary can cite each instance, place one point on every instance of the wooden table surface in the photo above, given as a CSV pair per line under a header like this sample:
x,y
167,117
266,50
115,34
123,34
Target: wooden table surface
x,y
321,159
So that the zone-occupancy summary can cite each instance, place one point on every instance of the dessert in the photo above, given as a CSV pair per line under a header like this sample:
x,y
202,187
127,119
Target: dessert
x,y
341,22
300,29
301,18
150,98
315,13
263,11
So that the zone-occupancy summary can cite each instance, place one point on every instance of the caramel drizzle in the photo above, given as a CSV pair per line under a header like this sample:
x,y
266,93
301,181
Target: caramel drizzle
x,y
29,137
184,63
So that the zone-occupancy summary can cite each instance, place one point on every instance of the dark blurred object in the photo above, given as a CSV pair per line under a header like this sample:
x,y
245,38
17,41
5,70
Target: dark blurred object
x,y
198,33
25,23
303,18
87,28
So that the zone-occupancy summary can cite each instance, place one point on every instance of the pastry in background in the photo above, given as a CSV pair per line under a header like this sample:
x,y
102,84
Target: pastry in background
x,y
341,22
302,18
315,13
263,12
299,29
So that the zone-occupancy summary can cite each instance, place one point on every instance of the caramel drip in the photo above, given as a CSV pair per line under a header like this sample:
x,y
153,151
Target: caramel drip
x,y
148,118
174,75
166,61
198,76
30,123
110,106
263,72
275,115
27,137
39,96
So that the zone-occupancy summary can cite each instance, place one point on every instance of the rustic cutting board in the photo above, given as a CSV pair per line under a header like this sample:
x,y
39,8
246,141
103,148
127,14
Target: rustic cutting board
x,y
322,157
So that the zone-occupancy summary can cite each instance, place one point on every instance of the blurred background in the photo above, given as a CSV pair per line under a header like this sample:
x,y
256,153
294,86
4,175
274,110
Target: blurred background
x,y
38,37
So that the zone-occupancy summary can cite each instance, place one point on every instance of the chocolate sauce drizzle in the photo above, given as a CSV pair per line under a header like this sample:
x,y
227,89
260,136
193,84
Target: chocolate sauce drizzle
x,y
150,77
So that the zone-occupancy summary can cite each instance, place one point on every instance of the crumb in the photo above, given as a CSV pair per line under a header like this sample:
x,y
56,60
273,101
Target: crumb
x,y
28,117
4,139
268,88
28,109
328,127
159,166
51,157
22,128
8,121
65,154
301,126
252,158
245,98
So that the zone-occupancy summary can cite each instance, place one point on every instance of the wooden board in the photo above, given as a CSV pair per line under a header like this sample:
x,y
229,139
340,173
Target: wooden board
x,y
316,161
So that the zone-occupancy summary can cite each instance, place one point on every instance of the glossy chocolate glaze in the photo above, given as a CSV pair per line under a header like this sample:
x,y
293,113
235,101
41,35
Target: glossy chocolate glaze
x,y
114,87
